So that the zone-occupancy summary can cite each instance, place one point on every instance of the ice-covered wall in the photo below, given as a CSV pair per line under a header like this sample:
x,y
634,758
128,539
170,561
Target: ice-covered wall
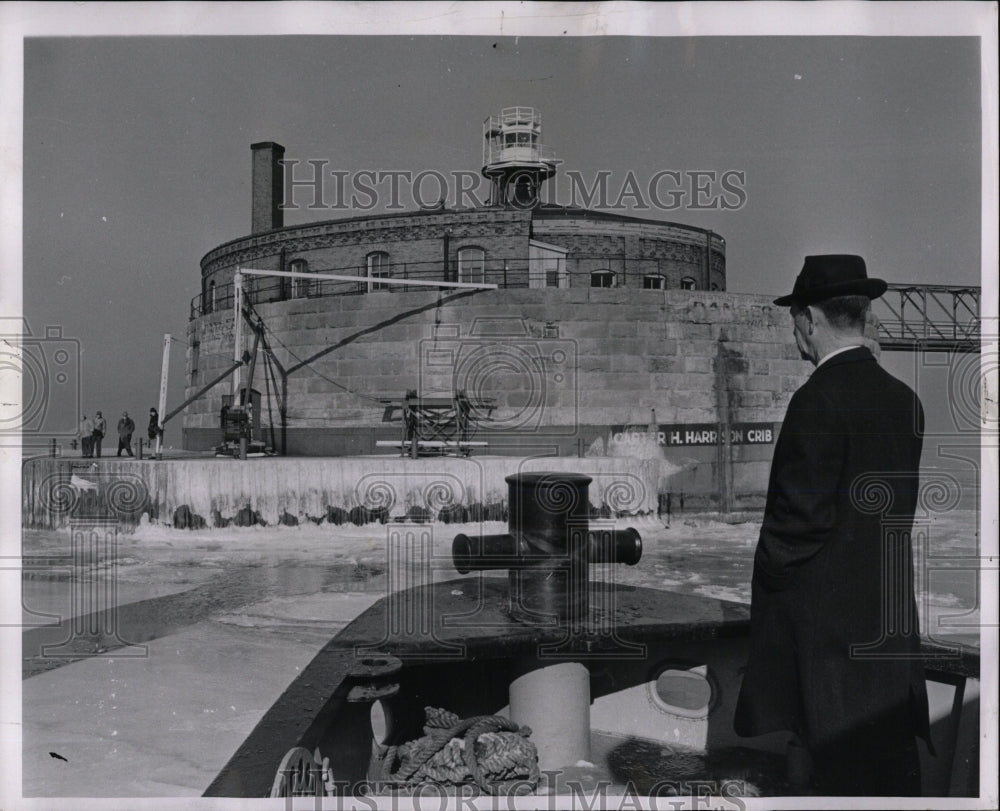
x,y
219,492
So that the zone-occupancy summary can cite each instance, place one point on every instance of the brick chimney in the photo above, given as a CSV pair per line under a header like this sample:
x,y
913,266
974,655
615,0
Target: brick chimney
x,y
268,186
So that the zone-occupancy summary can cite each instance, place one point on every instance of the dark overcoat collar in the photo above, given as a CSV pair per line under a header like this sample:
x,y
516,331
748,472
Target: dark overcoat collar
x,y
858,354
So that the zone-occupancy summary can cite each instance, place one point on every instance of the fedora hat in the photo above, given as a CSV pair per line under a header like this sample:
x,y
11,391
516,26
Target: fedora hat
x,y
829,275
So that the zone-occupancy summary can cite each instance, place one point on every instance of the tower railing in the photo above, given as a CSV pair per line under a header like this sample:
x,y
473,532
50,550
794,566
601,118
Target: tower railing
x,y
614,270
499,153
516,117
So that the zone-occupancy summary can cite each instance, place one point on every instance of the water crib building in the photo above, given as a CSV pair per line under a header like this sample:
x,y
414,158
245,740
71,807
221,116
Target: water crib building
x,y
606,334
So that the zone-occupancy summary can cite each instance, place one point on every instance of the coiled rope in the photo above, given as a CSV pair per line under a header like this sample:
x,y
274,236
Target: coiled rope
x,y
489,750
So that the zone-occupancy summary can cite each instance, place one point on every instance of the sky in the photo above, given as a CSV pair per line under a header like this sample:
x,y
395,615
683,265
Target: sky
x,y
136,155
125,134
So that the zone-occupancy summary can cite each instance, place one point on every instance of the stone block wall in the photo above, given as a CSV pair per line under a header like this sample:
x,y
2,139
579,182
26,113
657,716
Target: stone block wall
x,y
563,367
586,356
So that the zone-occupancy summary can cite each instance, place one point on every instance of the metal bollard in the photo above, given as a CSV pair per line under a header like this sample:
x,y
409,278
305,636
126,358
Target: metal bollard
x,y
547,553
548,549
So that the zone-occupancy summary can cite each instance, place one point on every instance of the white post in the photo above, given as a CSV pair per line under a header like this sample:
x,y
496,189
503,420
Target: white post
x,y
164,369
237,334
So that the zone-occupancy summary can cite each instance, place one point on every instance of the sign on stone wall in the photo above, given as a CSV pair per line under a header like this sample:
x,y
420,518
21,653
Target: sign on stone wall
x,y
218,331
703,433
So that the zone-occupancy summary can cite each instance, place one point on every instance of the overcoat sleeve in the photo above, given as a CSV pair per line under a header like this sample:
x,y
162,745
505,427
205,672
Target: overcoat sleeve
x,y
800,515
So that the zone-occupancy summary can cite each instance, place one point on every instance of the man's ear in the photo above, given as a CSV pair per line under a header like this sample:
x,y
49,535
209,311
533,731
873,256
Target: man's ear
x,y
814,315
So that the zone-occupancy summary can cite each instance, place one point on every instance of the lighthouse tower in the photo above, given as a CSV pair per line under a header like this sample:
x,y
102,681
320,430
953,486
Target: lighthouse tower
x,y
514,160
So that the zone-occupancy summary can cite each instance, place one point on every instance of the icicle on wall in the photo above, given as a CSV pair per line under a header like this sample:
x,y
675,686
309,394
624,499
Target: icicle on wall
x,y
218,492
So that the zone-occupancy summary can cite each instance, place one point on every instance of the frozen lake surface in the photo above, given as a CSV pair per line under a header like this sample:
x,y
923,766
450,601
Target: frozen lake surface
x,y
244,575
210,627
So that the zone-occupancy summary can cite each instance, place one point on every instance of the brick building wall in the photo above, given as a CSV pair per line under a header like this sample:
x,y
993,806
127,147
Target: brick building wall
x,y
417,245
634,248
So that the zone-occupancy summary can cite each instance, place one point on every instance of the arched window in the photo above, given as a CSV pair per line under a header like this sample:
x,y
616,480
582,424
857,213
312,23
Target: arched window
x,y
653,281
471,264
210,304
300,288
602,278
377,267
688,283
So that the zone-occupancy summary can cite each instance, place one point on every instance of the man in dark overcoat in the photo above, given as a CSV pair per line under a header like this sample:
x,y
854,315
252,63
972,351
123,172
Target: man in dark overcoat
x,y
835,649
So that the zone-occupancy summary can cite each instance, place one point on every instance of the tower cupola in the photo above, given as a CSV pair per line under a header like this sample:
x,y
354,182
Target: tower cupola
x,y
514,159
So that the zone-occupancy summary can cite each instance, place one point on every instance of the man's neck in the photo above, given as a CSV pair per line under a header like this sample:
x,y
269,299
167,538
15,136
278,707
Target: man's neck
x,y
833,343
834,352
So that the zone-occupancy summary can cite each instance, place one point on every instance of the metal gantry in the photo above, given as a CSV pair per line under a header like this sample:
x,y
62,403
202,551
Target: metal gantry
x,y
922,317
